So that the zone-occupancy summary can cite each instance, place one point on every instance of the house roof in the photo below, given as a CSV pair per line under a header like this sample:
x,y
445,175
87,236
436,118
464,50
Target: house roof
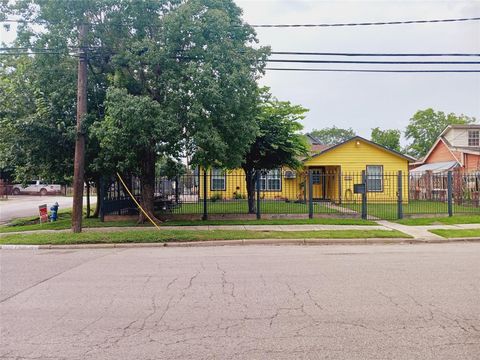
x,y
451,147
436,167
315,148
447,144
469,126
332,147
313,140
316,145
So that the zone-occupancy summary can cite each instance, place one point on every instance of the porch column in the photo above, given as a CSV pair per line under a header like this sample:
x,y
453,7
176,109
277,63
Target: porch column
x,y
310,193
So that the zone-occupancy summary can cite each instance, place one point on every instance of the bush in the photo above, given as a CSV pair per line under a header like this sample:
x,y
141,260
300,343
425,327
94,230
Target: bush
x,y
216,197
238,196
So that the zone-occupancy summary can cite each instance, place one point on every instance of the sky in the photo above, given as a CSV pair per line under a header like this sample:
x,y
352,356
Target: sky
x,y
366,100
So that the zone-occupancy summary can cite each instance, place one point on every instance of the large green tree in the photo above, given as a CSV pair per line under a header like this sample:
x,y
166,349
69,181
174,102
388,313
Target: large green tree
x,y
389,138
139,123
41,126
278,142
195,59
426,125
333,135
37,115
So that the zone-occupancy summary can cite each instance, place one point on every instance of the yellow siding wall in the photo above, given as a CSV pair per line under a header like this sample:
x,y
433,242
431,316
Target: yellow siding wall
x,y
235,184
353,157
350,159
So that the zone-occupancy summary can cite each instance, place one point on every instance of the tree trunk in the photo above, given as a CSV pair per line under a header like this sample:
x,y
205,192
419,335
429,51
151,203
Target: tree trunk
x,y
147,184
88,198
250,179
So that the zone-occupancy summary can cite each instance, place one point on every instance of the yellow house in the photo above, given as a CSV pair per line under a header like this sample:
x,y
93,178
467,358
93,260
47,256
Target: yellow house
x,y
331,171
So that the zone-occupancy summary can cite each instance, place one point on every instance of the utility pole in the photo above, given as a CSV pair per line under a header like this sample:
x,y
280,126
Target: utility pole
x,y
79,164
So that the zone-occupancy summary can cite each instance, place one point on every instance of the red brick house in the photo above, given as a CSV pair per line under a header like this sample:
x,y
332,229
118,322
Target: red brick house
x,y
457,147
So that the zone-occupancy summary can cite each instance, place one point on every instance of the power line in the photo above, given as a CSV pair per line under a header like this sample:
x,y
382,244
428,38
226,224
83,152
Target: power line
x,y
293,53
37,53
373,70
375,23
27,50
369,62
366,23
369,54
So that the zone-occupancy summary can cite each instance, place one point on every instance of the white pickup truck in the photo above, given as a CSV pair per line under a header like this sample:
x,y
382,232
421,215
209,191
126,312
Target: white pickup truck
x,y
36,187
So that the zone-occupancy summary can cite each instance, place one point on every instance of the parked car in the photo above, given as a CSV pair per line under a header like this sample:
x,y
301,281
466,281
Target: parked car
x,y
36,187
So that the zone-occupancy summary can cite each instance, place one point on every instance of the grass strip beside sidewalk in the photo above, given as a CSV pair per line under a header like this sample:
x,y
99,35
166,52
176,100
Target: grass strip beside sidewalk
x,y
460,233
65,223
151,236
460,219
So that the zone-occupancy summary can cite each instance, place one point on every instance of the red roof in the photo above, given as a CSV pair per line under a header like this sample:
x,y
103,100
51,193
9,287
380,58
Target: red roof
x,y
314,148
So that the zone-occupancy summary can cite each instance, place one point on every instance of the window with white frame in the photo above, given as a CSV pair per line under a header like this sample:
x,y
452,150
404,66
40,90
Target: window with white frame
x,y
474,138
218,180
374,178
271,180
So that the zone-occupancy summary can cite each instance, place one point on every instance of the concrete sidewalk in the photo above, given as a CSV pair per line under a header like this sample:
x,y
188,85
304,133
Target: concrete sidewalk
x,y
422,232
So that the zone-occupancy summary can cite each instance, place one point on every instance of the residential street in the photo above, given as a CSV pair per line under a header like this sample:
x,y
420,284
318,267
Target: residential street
x,y
27,205
252,302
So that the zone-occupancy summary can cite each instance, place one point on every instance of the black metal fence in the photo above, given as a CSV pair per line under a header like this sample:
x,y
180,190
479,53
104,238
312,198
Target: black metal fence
x,y
313,192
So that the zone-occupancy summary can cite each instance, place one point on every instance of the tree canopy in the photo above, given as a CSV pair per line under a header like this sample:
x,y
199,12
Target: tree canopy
x,y
278,141
333,135
426,125
389,138
195,59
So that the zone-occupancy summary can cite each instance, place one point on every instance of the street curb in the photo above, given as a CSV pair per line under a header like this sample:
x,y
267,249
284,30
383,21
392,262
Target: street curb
x,y
245,242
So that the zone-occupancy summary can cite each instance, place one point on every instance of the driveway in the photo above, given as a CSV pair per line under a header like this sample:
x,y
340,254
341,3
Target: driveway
x,y
253,302
27,205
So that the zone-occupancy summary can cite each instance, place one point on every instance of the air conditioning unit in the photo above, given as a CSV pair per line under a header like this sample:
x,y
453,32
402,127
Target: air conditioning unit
x,y
289,174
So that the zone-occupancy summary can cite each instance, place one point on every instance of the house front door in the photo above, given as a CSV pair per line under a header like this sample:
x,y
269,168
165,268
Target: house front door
x,y
319,183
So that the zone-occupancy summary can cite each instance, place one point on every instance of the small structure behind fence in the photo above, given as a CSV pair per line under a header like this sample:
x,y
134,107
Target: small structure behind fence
x,y
309,193
5,189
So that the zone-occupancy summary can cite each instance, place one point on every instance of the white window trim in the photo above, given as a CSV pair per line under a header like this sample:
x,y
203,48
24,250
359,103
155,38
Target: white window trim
x,y
218,177
264,180
472,137
381,178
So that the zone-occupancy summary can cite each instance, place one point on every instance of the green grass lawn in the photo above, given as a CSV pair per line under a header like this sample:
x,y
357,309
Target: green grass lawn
x,y
241,207
389,210
461,233
314,221
164,235
66,224
28,224
460,219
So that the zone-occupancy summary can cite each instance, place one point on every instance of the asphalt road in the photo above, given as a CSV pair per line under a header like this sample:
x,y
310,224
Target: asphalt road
x,y
252,302
27,205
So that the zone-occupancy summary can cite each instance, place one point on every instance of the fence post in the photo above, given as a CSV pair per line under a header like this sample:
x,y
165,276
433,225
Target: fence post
x,y
176,189
364,196
205,212
310,194
449,193
400,195
257,186
101,212
340,187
